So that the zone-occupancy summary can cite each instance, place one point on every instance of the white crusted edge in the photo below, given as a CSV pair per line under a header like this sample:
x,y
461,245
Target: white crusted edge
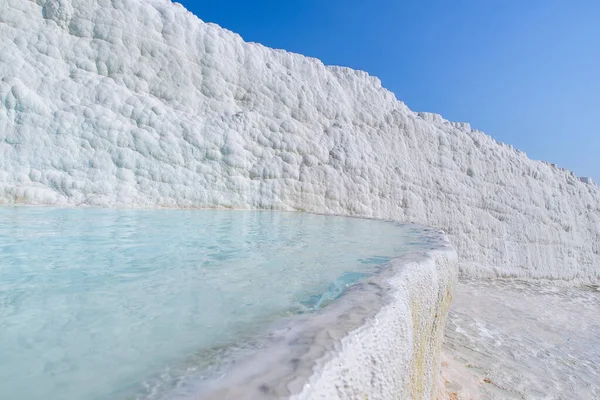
x,y
381,340
396,354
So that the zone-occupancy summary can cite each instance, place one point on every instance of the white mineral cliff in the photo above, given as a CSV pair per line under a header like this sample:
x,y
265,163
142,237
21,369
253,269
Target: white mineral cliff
x,y
139,103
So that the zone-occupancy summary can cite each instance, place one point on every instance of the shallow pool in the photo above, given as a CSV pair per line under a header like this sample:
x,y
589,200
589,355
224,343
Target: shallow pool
x,y
111,304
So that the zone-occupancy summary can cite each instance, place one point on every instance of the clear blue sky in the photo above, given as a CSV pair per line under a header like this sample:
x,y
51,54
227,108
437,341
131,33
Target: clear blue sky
x,y
526,72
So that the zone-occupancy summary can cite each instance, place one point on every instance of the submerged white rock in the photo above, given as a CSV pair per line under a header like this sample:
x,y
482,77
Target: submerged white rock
x,y
139,103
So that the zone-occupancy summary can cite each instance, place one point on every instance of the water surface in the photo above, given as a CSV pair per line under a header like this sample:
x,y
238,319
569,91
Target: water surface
x,y
109,304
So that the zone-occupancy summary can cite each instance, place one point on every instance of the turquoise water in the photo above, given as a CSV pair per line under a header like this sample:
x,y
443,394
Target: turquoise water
x,y
109,304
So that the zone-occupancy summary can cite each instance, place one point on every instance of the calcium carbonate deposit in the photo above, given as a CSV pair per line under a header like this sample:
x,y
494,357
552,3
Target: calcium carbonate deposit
x,y
138,103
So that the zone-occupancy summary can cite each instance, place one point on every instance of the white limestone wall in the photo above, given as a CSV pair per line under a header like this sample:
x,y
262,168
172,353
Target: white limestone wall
x,y
138,103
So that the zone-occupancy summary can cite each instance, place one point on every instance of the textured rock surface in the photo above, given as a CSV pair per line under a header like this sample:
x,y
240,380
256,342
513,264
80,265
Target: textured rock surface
x,y
129,102
395,355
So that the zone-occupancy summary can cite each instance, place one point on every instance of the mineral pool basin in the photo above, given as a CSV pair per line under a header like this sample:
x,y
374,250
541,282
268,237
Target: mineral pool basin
x,y
118,304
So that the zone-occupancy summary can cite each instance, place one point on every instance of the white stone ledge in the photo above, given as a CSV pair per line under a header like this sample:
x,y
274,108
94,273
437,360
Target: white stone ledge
x,y
381,340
